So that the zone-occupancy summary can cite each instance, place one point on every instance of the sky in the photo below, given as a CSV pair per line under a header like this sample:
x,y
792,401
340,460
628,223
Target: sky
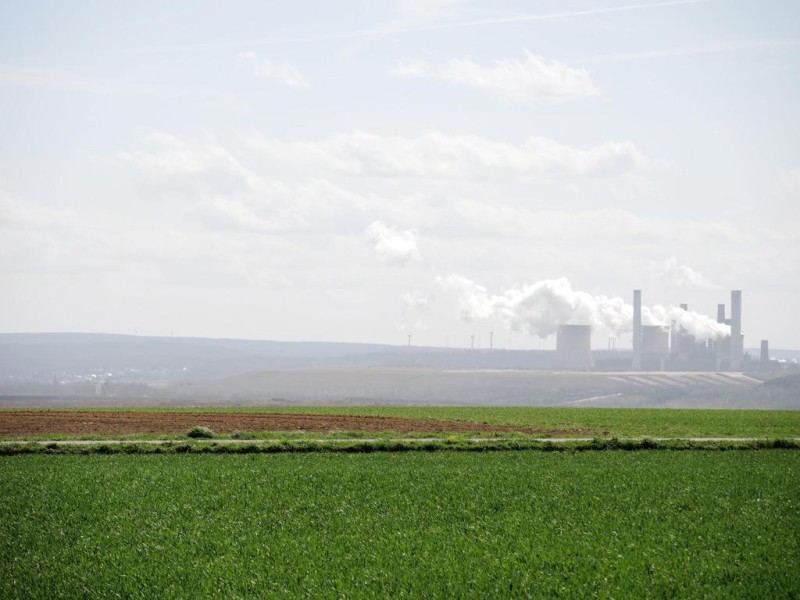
x,y
410,170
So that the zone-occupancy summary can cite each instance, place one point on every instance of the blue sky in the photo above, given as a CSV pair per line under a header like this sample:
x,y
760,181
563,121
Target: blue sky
x,y
357,171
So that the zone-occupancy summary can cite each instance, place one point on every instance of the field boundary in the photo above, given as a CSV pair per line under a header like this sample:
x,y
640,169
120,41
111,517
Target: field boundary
x,y
81,447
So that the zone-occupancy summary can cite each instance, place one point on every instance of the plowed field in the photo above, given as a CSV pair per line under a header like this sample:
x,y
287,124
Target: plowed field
x,y
87,422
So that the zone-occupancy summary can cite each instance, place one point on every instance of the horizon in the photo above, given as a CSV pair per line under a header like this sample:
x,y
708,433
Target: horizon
x,y
753,350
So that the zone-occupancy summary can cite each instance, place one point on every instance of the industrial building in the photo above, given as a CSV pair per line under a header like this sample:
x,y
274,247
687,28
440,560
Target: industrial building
x,y
673,348
655,347
662,347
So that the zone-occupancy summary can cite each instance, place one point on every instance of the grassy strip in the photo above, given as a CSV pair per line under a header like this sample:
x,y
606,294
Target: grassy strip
x,y
357,447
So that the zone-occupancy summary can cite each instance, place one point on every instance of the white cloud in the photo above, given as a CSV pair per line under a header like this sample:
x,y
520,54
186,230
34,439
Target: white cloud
x,y
426,11
189,165
673,273
438,155
417,299
15,214
618,227
41,241
225,214
169,153
790,178
416,17
275,206
67,81
264,68
530,80
412,69
223,191
681,51
396,247
227,189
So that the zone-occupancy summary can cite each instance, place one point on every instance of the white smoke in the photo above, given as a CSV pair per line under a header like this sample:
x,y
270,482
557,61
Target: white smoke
x,y
539,308
695,324
676,274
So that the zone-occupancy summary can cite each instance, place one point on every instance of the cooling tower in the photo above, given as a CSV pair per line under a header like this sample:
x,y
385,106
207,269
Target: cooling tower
x,y
655,346
637,330
574,347
737,339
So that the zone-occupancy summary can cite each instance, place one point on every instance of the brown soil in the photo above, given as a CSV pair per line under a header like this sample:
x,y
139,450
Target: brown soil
x,y
88,422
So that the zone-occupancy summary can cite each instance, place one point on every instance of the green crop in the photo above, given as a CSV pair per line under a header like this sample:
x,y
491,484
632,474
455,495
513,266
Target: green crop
x,y
444,524
622,422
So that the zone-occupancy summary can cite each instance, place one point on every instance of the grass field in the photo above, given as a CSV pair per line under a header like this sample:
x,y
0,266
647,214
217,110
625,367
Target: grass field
x,y
621,422
511,524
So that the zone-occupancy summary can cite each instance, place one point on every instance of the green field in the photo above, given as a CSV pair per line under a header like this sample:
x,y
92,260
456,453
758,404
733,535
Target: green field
x,y
621,422
445,524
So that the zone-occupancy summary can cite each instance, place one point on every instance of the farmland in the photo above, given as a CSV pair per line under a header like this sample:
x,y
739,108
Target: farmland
x,y
427,420
447,524
307,512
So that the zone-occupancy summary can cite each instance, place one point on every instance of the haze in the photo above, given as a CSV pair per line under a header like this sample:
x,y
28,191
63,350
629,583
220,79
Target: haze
x,y
370,171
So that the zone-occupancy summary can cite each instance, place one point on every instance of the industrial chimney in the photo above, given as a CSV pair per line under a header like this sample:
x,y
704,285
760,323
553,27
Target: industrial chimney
x,y
637,330
737,338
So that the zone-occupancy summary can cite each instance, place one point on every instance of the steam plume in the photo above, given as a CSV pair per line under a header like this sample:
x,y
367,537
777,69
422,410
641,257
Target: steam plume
x,y
539,308
700,326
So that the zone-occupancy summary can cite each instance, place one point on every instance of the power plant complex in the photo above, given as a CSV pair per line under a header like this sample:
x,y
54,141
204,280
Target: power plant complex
x,y
663,347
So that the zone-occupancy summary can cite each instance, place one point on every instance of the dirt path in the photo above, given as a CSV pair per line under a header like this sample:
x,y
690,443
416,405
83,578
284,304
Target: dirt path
x,y
88,422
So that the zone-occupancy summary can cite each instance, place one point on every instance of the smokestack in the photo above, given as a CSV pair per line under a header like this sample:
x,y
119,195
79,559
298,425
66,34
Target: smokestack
x,y
764,350
684,307
637,330
737,339
720,313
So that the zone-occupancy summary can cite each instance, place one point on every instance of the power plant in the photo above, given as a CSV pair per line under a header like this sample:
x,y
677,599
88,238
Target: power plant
x,y
659,347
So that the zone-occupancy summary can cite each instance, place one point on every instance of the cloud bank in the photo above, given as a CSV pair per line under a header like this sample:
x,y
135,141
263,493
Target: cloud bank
x,y
263,68
530,80
438,155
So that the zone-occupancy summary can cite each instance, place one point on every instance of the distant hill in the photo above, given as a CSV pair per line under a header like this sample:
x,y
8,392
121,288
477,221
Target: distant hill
x,y
70,357
121,368
45,356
